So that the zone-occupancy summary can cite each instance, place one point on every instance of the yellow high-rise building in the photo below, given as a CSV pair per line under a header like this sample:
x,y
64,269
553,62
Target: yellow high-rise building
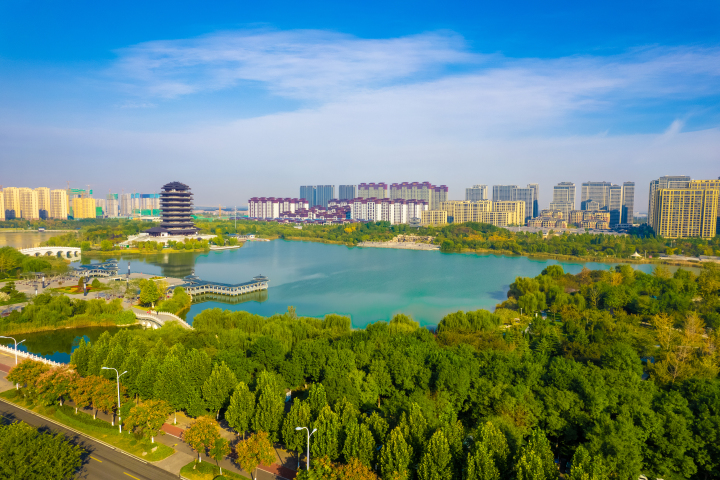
x,y
2,206
58,204
44,203
687,212
435,218
12,202
28,204
83,208
500,214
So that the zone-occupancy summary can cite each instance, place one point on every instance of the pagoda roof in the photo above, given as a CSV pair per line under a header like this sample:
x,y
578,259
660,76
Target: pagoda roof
x,y
175,186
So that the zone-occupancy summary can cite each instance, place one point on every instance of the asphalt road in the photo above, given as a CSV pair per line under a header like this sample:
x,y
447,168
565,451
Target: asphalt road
x,y
101,462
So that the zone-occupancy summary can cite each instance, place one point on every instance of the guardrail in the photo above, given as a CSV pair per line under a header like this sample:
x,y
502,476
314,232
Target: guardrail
x,y
156,318
20,353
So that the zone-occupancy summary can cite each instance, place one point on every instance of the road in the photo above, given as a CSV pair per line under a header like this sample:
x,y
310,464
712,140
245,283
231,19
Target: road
x,y
102,462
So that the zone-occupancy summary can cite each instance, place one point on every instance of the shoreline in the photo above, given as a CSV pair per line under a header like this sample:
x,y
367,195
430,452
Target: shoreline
x,y
401,246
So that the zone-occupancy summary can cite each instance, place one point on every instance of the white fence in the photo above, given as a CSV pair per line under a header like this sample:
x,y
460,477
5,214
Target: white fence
x,y
25,355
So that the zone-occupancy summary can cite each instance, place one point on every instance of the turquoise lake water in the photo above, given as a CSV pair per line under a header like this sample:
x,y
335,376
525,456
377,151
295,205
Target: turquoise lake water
x,y
367,284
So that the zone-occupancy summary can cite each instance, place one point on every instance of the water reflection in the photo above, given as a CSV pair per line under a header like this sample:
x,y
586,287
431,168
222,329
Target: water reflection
x,y
259,296
175,265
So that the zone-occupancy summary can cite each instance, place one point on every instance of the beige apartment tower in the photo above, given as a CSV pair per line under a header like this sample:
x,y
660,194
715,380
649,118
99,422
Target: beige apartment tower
x,y
435,218
2,206
12,203
83,208
686,212
500,214
44,203
58,204
29,204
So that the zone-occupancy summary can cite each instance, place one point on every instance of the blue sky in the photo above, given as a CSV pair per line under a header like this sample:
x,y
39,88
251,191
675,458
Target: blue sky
x,y
240,99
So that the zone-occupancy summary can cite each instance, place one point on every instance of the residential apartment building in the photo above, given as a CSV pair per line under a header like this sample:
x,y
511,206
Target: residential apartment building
x,y
435,218
664,182
548,219
12,202
500,214
372,190
513,193
29,204
346,192
272,207
535,187
387,210
2,206
126,204
308,193
44,202
84,207
686,212
563,198
112,205
323,194
59,204
476,193
592,219
616,199
432,194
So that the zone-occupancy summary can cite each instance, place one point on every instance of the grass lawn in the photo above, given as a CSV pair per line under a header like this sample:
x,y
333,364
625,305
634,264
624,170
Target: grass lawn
x,y
206,471
98,429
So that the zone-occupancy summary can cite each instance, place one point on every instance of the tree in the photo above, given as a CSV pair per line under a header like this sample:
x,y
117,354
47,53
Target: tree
x,y
586,468
219,451
148,418
435,462
327,437
104,396
29,454
150,293
317,399
241,409
417,428
496,445
26,373
217,387
56,383
270,405
359,443
81,357
170,384
536,459
254,451
202,435
395,457
481,464
354,469
82,392
299,416
145,382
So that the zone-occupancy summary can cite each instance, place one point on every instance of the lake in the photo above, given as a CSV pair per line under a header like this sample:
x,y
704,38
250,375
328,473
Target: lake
x,y
28,239
366,284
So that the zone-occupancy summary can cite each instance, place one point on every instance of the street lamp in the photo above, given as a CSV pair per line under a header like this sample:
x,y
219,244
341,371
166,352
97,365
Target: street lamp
x,y
118,390
309,434
16,344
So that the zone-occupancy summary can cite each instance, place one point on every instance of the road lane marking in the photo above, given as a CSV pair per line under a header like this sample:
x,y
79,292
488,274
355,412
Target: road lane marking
x,y
131,476
95,459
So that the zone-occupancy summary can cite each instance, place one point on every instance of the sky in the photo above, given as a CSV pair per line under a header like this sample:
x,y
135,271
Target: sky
x,y
242,99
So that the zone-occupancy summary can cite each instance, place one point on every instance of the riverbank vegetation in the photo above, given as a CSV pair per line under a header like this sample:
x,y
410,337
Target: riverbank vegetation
x,y
50,312
14,264
612,371
480,237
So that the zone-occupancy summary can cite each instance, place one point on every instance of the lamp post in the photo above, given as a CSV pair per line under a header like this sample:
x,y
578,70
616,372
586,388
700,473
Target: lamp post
x,y
309,434
118,390
16,344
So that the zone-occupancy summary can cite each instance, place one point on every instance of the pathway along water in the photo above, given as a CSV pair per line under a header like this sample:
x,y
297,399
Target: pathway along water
x,y
367,284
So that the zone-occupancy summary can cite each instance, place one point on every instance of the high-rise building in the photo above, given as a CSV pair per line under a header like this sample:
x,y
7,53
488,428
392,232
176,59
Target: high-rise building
x,y
385,210
126,205
84,207
100,207
666,181
372,190
271,207
29,204
12,203
512,193
2,206
176,205
59,204
628,206
609,197
44,202
432,194
112,208
563,198
687,212
346,192
323,194
476,193
535,187
308,193
500,214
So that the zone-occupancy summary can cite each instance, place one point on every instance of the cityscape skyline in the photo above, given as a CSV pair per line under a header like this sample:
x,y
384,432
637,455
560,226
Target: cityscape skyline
x,y
248,100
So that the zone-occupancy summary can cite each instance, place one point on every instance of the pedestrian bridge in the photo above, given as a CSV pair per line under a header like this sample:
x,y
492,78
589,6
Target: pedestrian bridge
x,y
64,252
158,319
